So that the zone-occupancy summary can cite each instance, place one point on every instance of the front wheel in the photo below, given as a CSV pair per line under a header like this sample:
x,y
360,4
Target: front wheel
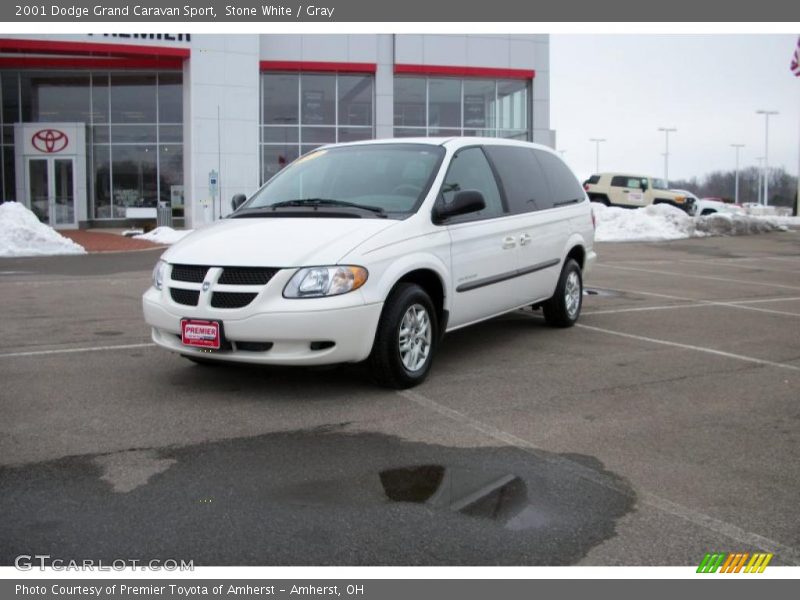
x,y
406,339
564,308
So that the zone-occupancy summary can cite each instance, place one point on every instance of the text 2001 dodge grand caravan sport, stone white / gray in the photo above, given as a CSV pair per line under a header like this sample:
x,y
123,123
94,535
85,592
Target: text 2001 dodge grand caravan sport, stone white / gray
x,y
372,251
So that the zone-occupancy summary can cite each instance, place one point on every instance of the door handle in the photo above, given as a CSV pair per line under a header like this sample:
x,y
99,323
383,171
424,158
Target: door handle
x,y
524,239
509,242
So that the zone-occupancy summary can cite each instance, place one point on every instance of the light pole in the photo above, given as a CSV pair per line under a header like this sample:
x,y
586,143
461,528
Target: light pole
x,y
597,142
667,131
766,114
760,160
737,147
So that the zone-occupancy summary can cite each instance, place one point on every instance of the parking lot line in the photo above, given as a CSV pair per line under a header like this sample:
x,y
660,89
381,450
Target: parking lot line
x,y
695,302
741,357
75,350
734,532
708,277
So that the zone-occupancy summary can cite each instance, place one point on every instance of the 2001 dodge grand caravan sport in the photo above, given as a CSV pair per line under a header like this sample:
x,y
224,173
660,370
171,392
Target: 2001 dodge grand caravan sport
x,y
372,251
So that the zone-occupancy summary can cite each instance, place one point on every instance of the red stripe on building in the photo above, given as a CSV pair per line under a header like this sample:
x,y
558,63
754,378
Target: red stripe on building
x,y
452,71
327,67
90,48
51,62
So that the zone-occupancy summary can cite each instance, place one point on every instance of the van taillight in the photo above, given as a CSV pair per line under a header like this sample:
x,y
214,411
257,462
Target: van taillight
x,y
585,187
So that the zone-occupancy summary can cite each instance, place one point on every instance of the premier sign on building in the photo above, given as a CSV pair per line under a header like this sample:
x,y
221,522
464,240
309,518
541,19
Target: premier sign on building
x,y
98,127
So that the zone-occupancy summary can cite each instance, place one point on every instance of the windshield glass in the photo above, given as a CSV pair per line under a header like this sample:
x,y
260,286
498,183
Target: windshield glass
x,y
387,179
660,184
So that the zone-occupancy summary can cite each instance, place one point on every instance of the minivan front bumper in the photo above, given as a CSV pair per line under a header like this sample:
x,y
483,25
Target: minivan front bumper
x,y
314,337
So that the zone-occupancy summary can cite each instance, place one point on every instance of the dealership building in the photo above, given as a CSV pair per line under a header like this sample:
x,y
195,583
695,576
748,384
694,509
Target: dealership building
x,y
98,130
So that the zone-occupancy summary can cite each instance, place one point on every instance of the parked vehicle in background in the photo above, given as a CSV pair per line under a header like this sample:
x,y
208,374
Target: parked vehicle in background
x,y
633,191
371,251
691,200
709,206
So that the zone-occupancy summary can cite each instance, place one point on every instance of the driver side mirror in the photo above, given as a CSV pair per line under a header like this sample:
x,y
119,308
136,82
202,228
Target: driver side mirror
x,y
238,200
464,202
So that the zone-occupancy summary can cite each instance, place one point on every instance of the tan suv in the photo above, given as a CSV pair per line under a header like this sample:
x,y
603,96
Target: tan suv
x,y
633,191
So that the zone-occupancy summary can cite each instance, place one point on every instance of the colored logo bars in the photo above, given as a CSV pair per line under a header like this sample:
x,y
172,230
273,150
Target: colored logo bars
x,y
734,562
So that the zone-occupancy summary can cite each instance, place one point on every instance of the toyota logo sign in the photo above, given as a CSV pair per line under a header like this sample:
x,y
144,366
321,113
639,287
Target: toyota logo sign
x,y
49,140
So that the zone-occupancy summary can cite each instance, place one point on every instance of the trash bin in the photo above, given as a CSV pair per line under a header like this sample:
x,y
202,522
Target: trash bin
x,y
164,215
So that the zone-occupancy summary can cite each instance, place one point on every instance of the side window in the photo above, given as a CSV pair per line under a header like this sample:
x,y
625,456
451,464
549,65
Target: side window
x,y
469,170
523,179
620,181
564,187
593,179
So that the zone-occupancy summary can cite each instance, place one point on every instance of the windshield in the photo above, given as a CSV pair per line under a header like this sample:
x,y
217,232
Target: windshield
x,y
660,184
383,179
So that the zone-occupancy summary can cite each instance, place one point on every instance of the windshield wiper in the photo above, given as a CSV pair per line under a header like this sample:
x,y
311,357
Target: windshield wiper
x,y
315,202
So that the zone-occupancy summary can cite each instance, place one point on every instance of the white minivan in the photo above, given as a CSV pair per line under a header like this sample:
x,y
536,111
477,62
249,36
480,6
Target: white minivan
x,y
372,251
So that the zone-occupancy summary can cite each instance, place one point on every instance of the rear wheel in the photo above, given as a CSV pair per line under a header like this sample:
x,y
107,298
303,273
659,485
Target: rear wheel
x,y
564,308
406,339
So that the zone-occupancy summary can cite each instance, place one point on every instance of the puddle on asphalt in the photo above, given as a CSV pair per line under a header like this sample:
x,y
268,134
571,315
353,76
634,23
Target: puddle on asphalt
x,y
496,496
320,497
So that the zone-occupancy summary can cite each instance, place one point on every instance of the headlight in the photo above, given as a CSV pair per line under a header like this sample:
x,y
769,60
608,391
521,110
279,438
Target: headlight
x,y
158,274
314,282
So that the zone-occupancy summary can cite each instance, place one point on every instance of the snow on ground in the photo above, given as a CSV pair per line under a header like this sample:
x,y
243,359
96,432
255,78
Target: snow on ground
x,y
22,234
164,235
663,222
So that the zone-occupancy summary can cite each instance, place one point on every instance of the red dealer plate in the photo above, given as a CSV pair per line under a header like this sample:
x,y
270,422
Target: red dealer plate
x,y
201,334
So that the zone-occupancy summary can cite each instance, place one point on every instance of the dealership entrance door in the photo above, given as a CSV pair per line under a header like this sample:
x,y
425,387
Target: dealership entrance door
x,y
52,158
51,190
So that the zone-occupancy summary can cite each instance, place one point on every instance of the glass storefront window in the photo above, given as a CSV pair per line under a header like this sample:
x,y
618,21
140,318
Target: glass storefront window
x,y
170,98
444,103
133,98
279,98
49,98
442,106
134,136
410,101
301,111
134,177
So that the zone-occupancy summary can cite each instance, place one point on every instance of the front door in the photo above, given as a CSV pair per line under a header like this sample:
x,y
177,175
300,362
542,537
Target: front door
x,y
51,190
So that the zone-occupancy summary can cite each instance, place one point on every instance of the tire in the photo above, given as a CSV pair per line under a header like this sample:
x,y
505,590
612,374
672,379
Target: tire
x,y
408,304
564,308
600,200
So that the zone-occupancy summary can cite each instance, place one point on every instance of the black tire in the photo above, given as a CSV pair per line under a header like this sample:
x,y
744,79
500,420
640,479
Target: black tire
x,y
199,360
600,200
385,361
556,311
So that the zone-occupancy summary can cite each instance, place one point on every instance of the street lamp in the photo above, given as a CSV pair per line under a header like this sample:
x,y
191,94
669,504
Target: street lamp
x,y
766,114
667,131
597,142
736,180
760,160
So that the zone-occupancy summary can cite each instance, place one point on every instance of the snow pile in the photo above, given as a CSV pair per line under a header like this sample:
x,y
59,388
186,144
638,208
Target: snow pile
x,y
662,222
736,224
654,223
22,234
164,235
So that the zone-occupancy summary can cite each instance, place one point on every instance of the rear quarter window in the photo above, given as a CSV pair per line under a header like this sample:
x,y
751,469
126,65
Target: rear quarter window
x,y
564,186
523,179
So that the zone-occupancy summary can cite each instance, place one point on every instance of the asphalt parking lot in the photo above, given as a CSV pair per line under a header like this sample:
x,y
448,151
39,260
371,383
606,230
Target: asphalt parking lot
x,y
664,426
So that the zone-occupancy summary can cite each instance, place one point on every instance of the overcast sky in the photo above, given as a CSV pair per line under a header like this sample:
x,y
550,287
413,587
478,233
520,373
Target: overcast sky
x,y
624,87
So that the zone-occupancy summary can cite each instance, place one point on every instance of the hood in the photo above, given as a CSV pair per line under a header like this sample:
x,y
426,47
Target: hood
x,y
274,242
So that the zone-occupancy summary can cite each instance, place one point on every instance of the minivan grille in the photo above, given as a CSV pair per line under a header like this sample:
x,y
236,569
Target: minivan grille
x,y
231,299
190,273
246,275
187,297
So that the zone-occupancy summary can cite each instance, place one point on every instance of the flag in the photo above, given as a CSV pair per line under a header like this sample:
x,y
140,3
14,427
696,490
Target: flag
x,y
796,60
